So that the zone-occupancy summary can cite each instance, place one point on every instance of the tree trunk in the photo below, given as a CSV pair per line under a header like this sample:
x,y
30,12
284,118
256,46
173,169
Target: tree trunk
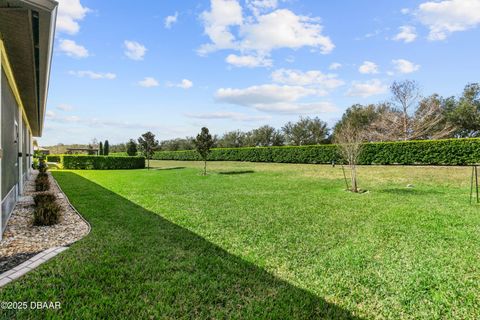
x,y
405,124
205,167
354,179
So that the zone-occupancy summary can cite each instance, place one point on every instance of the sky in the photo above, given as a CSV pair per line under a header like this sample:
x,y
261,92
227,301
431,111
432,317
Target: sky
x,y
121,68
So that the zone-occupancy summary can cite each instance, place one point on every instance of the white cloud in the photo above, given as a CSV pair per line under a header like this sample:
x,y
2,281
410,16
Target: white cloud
x,y
446,17
184,84
274,98
258,34
335,66
405,66
217,22
405,11
148,82
407,34
134,50
72,49
367,88
248,61
93,75
64,107
69,13
96,123
259,6
262,94
170,20
227,115
315,79
368,67
296,32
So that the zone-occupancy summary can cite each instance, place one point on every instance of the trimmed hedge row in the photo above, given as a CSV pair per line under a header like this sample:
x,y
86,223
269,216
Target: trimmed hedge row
x,y
54,157
428,152
84,162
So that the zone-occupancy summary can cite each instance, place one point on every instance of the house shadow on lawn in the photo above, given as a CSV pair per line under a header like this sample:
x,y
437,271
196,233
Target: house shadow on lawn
x,y
135,264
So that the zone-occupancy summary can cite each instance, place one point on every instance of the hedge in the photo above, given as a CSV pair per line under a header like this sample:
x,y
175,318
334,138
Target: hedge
x,y
85,162
54,158
118,154
426,152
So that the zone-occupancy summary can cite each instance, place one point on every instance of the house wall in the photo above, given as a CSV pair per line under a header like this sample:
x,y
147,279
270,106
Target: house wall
x,y
10,146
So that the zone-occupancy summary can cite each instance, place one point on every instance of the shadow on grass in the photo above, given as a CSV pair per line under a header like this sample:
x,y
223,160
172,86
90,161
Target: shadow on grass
x,y
169,168
408,191
236,172
136,264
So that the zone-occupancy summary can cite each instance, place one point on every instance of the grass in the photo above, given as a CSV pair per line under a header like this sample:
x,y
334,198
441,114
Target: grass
x,y
264,241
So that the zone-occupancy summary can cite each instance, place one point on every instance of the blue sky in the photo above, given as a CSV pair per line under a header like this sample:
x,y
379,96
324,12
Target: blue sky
x,y
121,68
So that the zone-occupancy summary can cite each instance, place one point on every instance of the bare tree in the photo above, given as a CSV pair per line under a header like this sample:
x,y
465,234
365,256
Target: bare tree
x,y
349,139
388,126
405,95
429,121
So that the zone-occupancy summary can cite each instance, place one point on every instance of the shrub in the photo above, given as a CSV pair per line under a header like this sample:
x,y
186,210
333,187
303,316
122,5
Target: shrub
x,y
83,162
35,163
42,183
47,214
43,198
427,152
42,165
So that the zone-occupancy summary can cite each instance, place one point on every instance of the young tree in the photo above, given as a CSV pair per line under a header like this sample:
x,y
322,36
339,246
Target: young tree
x,y
405,94
306,131
349,139
203,143
147,145
106,148
131,148
100,149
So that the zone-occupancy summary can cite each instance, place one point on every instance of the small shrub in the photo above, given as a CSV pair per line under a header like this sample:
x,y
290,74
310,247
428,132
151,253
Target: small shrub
x,y
42,165
44,198
47,214
42,182
35,163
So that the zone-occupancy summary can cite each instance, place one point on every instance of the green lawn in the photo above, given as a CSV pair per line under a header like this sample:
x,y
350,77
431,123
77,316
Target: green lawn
x,y
264,241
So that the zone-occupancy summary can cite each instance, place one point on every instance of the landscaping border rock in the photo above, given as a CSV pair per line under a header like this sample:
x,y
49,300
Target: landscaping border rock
x,y
22,241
